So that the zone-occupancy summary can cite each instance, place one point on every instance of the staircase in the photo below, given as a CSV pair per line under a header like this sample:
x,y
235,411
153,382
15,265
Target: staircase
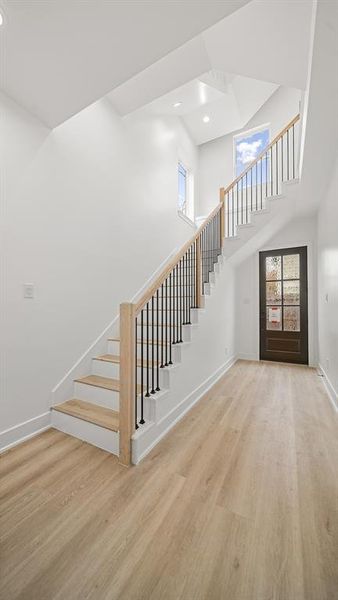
x,y
142,385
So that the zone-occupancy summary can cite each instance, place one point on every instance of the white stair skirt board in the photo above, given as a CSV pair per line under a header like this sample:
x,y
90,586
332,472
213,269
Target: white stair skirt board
x,y
96,395
88,432
331,392
19,433
147,436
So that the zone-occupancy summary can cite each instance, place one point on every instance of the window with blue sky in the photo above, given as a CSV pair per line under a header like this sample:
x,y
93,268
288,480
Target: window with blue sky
x,y
247,147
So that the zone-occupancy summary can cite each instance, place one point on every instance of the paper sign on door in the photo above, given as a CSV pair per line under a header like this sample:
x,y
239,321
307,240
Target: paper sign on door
x,y
274,314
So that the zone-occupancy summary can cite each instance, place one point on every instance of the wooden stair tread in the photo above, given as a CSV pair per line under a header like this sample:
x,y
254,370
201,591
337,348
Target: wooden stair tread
x,y
93,413
117,339
103,382
115,358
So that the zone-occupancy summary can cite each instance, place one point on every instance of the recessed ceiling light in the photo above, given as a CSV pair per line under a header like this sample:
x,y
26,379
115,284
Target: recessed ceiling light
x,y
177,104
206,119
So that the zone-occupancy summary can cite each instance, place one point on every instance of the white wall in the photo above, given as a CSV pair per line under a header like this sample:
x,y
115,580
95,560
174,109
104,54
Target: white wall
x,y
216,157
88,213
300,232
328,284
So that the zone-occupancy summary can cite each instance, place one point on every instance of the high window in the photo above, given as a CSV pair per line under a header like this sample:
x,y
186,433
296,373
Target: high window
x,y
185,203
247,146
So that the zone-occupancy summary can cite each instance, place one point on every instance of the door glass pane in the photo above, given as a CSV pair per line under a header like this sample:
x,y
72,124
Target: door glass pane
x,y
274,292
274,318
273,267
291,318
291,266
291,292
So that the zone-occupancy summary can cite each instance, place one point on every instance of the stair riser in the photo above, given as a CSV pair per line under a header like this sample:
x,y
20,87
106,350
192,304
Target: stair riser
x,y
88,432
112,370
114,348
186,333
101,396
193,318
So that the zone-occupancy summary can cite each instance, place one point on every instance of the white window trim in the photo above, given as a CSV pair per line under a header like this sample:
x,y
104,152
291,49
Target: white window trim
x,y
244,134
190,194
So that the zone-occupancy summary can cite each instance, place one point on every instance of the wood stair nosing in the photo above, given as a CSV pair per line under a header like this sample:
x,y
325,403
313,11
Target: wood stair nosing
x,y
106,383
92,413
115,359
117,339
102,382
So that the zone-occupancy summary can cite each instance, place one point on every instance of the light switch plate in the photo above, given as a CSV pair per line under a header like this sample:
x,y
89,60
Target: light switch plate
x,y
28,290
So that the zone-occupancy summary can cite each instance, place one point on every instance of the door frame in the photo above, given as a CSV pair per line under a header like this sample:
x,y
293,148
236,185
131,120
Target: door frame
x,y
304,279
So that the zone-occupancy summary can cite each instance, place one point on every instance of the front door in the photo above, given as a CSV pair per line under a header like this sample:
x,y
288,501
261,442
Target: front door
x,y
283,305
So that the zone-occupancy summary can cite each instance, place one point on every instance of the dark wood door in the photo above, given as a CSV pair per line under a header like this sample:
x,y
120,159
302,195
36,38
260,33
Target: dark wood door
x,y
283,305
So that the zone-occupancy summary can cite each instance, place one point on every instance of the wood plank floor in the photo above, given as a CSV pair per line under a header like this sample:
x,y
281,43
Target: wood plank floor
x,y
238,502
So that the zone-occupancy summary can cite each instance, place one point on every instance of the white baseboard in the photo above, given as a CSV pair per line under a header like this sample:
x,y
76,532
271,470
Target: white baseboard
x,y
22,432
247,356
331,392
140,450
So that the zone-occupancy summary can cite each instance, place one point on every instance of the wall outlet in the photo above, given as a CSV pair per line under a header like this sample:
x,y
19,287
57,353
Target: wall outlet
x,y
28,290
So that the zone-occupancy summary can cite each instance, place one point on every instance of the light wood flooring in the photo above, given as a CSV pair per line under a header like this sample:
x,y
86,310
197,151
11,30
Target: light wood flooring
x,y
238,502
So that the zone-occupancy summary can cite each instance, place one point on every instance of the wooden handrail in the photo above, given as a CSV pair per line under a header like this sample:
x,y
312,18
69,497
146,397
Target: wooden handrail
x,y
265,151
146,296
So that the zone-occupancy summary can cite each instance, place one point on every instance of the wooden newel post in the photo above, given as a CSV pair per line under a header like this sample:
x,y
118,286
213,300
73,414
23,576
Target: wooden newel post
x,y
222,199
127,380
198,273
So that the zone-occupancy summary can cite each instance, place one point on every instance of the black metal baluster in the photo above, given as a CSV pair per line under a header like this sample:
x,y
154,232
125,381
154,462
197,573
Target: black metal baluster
x,y
147,353
251,171
277,190
233,211
186,287
177,309
152,348
293,151
162,326
190,283
242,211
142,366
266,175
246,190
166,322
271,166
181,306
282,157
170,319
157,343
194,275
256,185
184,291
261,183
287,155
212,244
271,182
136,409
228,215
174,307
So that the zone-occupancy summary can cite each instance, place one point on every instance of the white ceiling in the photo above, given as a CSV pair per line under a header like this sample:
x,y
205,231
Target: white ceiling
x,y
262,45
228,100
62,55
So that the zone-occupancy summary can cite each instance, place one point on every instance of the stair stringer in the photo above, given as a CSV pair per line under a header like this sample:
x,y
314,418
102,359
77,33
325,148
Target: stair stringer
x,y
263,224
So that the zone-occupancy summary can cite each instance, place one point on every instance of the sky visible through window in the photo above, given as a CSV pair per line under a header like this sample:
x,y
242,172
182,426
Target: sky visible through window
x,y
247,148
